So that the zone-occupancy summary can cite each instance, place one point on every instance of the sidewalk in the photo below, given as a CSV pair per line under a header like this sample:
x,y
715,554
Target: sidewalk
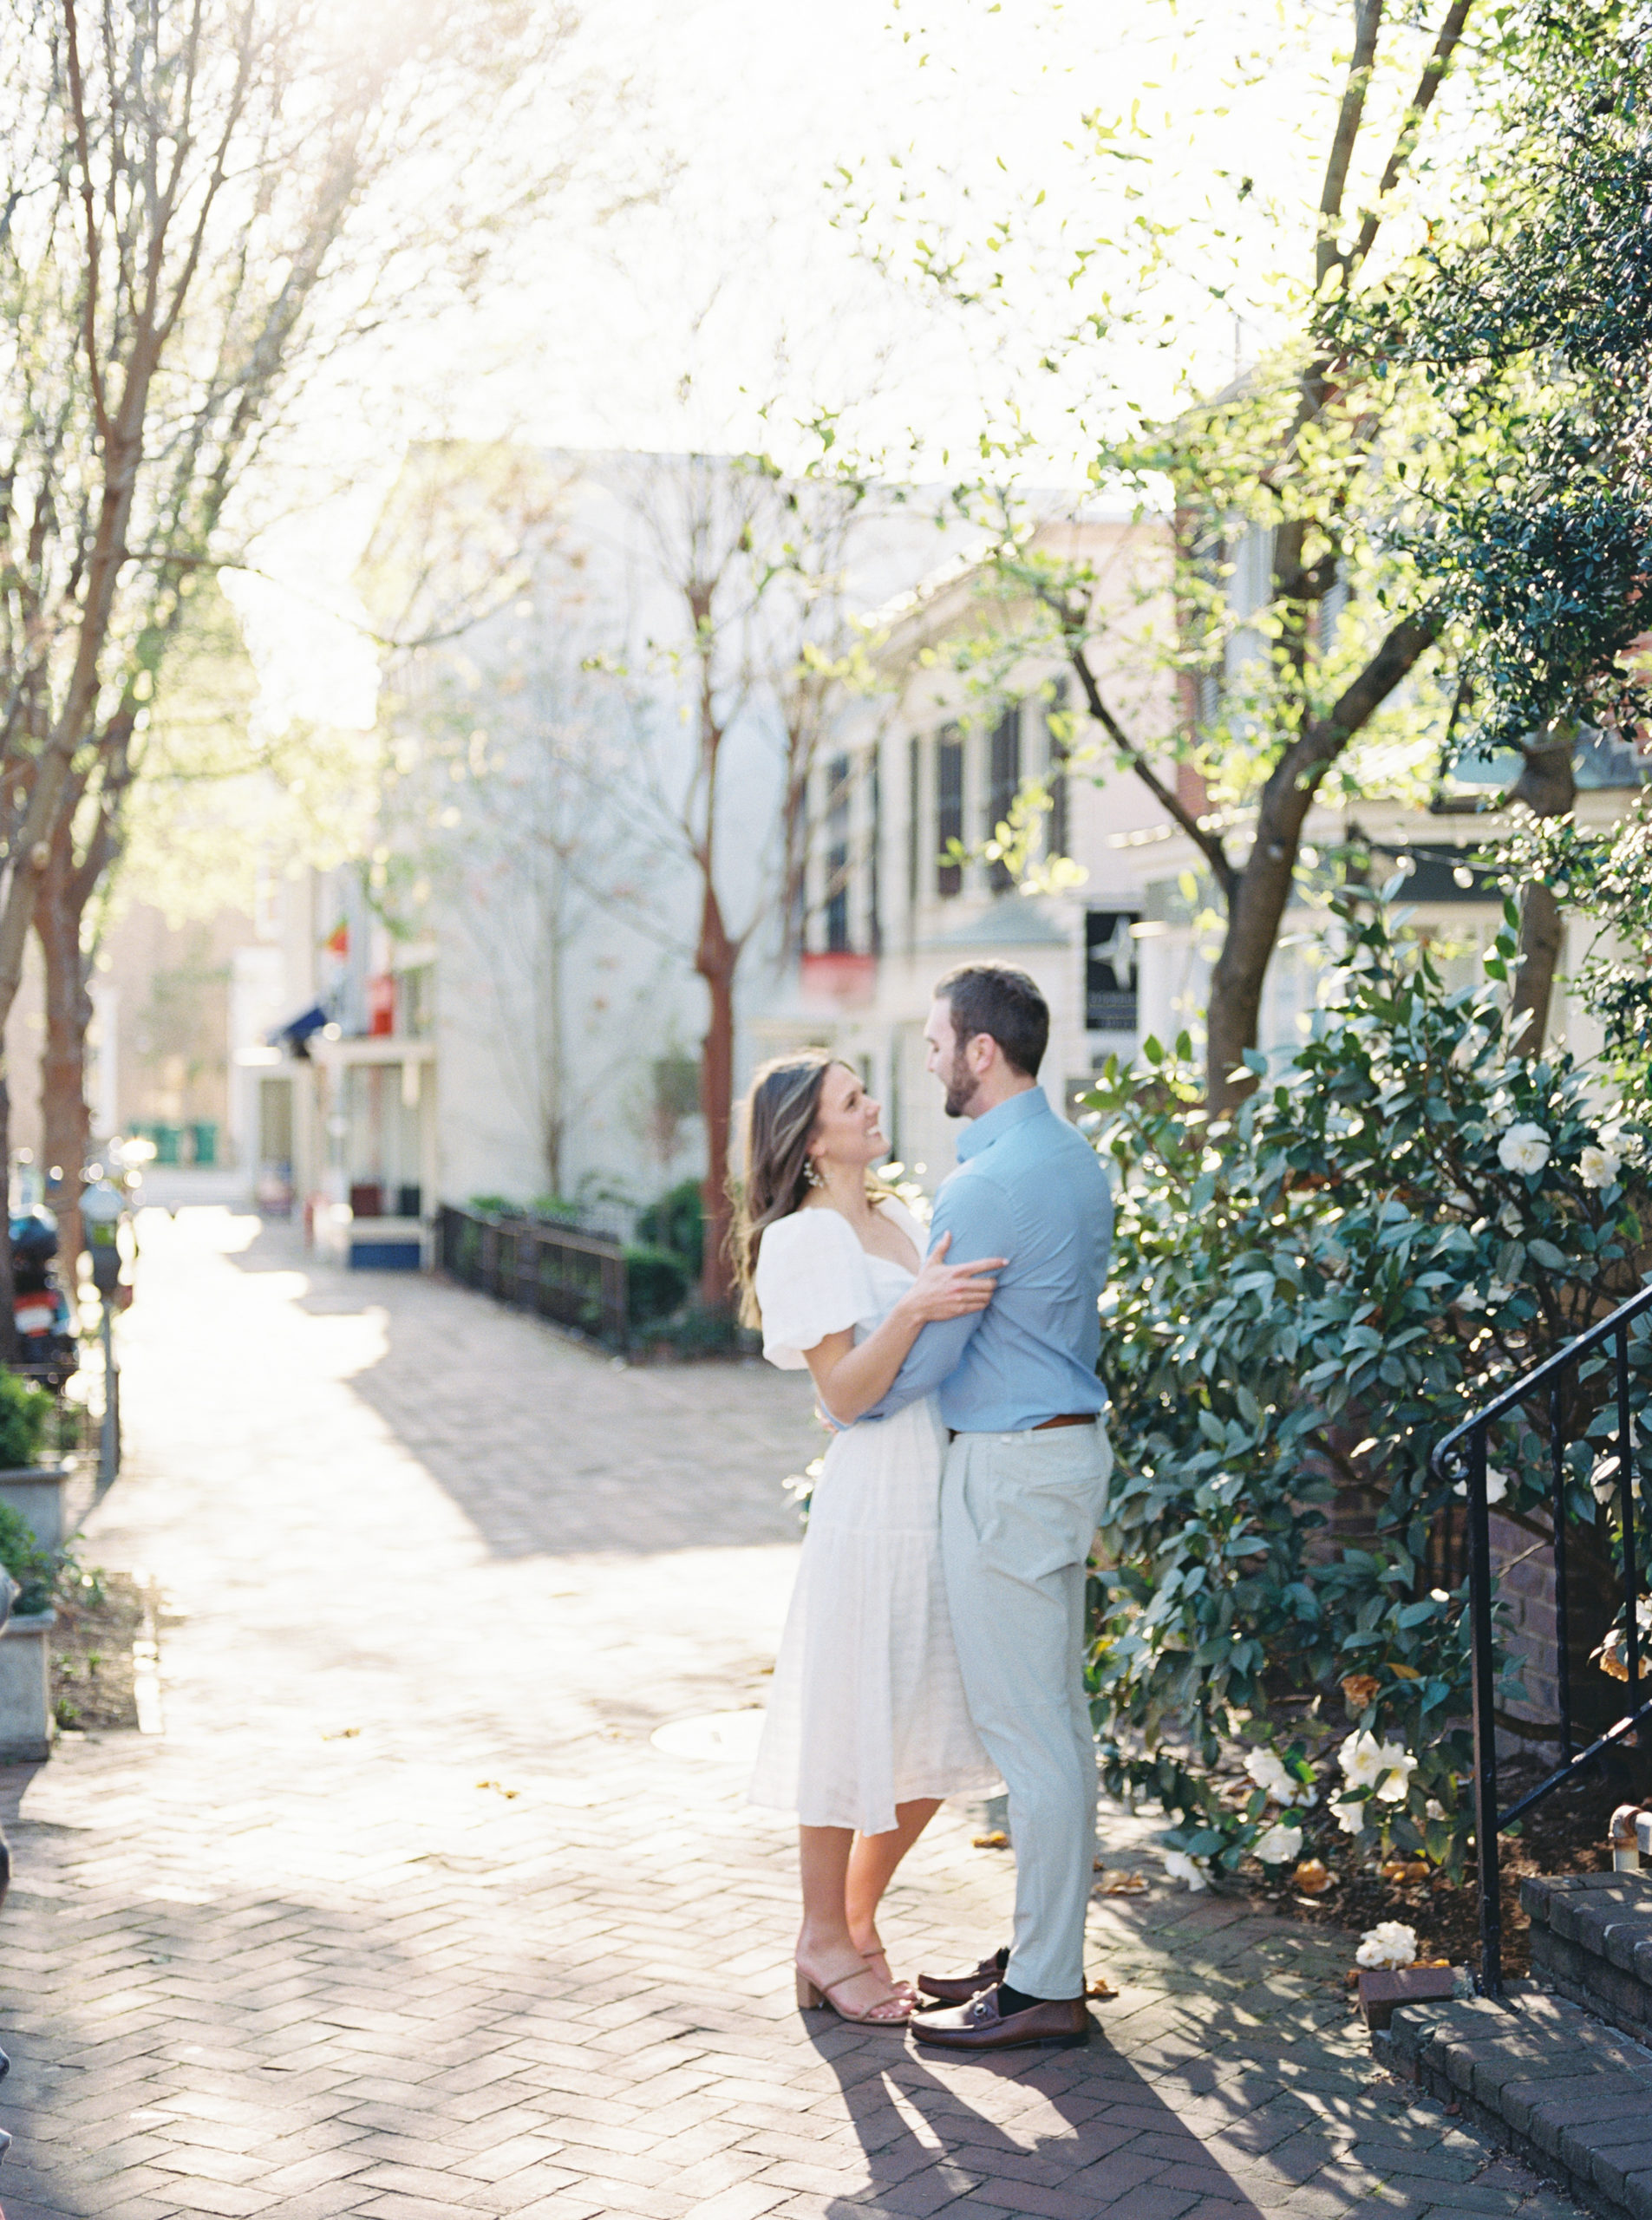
x,y
405,1916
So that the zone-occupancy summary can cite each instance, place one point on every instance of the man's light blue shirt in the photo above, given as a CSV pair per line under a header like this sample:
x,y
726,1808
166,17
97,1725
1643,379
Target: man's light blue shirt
x,y
1030,1188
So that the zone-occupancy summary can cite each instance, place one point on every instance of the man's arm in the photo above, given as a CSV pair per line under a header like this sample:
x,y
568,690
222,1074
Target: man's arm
x,y
976,1214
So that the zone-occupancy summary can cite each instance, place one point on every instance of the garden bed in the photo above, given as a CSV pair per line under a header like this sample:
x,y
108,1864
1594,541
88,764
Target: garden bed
x,y
100,1615
1565,1835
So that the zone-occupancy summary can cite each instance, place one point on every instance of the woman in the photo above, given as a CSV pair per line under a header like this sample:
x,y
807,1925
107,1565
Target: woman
x,y
867,1729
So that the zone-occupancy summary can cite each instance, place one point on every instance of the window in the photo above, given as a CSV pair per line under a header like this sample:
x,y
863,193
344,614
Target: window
x,y
1003,784
1061,831
1332,602
837,857
914,817
415,994
874,855
1110,970
949,809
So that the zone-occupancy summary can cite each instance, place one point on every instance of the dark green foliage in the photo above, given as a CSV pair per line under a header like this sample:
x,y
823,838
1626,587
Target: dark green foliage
x,y
696,1332
1304,1300
25,1414
554,1210
1604,873
677,1222
1529,321
656,1282
35,1570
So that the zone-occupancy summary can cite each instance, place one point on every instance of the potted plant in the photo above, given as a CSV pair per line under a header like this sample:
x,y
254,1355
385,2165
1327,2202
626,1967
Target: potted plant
x,y
50,1498
25,1671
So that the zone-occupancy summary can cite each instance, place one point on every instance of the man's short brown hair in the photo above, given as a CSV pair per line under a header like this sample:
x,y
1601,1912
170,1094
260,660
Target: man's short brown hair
x,y
998,1000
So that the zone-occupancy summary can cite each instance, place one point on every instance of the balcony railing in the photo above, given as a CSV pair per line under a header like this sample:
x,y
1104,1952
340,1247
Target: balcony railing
x,y
575,1279
1461,1457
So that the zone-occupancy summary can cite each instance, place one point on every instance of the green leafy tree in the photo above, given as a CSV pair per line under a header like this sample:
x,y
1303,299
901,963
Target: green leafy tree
x,y
1415,502
1528,322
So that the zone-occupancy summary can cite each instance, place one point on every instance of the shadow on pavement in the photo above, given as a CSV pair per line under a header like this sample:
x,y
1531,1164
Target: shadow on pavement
x,y
551,1448
1112,2138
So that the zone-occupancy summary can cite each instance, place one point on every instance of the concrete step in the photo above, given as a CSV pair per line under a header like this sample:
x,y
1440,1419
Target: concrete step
x,y
1570,2096
1591,1942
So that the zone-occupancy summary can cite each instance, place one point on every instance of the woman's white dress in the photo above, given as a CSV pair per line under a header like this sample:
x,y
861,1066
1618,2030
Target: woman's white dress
x,y
867,1709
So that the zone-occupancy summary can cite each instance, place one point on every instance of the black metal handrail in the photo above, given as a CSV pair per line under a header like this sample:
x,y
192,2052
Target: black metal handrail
x,y
578,1279
1461,1457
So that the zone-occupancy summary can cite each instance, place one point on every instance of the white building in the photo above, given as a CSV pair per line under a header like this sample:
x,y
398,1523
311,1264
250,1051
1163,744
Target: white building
x,y
938,762
1126,953
502,998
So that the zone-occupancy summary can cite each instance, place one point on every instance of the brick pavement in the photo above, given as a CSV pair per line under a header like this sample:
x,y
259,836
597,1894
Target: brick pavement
x,y
405,1915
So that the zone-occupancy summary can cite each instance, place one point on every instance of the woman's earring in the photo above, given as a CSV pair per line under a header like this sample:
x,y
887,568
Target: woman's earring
x,y
811,1173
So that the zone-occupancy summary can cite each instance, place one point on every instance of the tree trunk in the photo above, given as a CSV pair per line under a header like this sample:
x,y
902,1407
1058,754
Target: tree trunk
x,y
66,883
714,960
65,1119
1548,788
1260,893
8,1300
1233,1022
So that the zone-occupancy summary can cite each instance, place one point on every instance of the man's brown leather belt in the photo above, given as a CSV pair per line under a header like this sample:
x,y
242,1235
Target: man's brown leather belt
x,y
1067,1418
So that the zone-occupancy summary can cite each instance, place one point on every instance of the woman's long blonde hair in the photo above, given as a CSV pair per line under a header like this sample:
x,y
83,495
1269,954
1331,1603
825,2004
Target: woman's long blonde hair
x,y
780,1114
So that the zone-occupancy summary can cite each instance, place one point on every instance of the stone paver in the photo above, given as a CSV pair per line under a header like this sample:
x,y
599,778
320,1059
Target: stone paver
x,y
404,1915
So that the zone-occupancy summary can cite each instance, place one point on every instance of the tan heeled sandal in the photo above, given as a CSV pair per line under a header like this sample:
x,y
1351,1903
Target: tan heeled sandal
x,y
878,1958
816,1996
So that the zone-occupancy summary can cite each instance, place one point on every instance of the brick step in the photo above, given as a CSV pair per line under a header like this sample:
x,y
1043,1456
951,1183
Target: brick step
x,y
1591,1942
1570,2096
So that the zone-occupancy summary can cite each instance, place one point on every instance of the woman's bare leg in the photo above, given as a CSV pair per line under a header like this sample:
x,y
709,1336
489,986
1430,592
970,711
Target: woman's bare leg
x,y
825,1949
870,1865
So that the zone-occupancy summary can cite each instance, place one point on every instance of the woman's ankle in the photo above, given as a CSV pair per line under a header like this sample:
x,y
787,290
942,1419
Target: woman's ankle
x,y
818,1942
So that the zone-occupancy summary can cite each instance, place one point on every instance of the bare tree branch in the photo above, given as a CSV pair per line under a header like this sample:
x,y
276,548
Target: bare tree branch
x,y
1368,18
1209,844
1433,73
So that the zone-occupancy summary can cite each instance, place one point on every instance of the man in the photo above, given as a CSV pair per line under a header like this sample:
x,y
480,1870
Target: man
x,y
1022,1491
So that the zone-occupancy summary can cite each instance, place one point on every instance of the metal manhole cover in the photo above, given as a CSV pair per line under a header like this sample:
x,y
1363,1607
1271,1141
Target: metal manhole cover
x,y
726,1736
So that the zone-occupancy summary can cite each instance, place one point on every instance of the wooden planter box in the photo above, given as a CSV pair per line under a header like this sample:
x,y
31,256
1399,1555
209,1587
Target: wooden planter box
x,y
25,1689
50,1499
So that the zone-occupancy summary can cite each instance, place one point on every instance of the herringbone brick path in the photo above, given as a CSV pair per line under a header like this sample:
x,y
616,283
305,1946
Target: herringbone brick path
x,y
405,1916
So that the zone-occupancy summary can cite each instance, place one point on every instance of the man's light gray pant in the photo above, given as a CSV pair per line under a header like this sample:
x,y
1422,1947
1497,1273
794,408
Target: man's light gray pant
x,y
1018,1513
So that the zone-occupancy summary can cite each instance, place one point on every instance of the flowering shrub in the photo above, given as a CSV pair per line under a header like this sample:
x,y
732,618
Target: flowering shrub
x,y
1304,1301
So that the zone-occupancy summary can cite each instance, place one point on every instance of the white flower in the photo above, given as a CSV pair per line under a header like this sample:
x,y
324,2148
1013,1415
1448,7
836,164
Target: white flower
x,y
1269,1771
1385,1767
1599,1167
1281,1845
1496,1485
1435,1808
1179,1866
1349,1816
1471,1299
1525,1148
1391,1942
1509,1219
1617,1138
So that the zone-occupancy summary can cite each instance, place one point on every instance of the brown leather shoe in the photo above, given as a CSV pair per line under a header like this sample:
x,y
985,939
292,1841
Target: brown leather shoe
x,y
958,1989
977,2027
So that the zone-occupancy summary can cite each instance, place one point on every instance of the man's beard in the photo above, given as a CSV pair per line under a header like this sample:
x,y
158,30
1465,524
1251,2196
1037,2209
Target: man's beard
x,y
960,1088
